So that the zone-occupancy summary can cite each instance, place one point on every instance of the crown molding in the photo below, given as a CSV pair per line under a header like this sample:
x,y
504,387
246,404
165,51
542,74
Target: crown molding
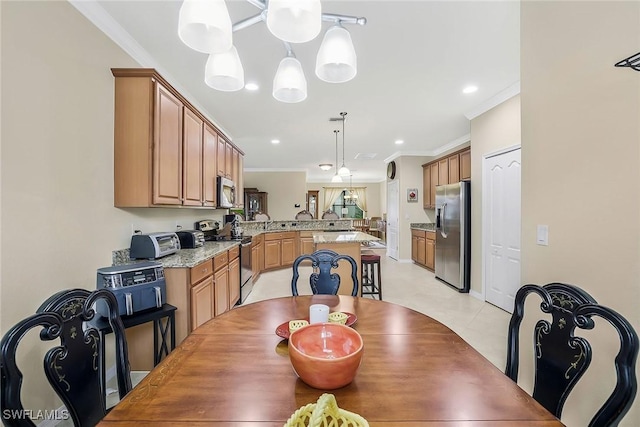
x,y
110,27
432,153
494,101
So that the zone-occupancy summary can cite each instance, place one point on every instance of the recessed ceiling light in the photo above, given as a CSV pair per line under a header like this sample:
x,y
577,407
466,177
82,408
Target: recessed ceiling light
x,y
275,141
399,141
325,166
470,89
251,86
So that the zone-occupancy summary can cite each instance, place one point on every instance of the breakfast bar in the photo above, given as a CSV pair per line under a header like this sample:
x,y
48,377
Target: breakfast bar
x,y
344,243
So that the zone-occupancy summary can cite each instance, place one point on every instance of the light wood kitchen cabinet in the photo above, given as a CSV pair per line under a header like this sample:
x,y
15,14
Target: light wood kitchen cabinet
x,y
234,276
167,148
163,146
306,243
418,246
450,169
209,167
202,296
192,150
434,183
443,171
257,256
221,157
202,302
228,160
465,165
280,249
430,253
454,168
221,283
426,186
423,248
240,181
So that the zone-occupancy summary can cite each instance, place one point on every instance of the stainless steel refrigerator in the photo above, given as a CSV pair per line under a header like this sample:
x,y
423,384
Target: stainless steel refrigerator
x,y
453,234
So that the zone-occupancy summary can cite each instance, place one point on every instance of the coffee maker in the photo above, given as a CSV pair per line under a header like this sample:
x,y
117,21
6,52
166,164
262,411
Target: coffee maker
x,y
236,230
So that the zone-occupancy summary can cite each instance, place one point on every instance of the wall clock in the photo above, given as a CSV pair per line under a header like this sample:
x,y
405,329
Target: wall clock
x,y
391,170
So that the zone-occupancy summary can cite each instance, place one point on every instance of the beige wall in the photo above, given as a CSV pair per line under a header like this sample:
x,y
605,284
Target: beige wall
x,y
581,165
497,129
286,189
58,221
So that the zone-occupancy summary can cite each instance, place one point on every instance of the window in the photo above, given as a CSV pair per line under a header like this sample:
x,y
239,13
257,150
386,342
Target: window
x,y
346,208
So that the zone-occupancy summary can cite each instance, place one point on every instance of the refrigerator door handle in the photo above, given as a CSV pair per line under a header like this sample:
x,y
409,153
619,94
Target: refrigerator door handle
x,y
443,231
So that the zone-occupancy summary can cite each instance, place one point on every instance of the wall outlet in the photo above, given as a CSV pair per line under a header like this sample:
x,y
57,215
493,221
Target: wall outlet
x,y
136,228
178,226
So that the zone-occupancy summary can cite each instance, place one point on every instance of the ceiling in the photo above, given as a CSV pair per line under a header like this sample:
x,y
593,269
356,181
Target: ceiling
x,y
414,59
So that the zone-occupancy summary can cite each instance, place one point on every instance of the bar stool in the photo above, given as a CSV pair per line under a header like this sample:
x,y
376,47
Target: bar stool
x,y
371,262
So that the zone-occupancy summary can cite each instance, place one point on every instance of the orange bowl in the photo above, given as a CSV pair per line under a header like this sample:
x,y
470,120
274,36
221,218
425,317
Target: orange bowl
x,y
326,355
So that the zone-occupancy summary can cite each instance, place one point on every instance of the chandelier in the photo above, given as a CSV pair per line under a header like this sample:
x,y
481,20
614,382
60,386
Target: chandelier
x,y
205,26
351,195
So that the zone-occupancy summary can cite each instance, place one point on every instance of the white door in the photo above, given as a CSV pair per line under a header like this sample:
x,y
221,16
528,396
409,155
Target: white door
x,y
393,218
501,227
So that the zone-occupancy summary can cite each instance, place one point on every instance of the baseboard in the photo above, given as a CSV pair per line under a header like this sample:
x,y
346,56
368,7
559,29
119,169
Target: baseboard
x,y
476,295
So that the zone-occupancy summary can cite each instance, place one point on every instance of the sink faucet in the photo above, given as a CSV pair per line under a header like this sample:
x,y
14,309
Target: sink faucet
x,y
267,224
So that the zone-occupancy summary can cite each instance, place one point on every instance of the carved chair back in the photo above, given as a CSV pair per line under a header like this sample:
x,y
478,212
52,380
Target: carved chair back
x,y
322,280
561,358
74,368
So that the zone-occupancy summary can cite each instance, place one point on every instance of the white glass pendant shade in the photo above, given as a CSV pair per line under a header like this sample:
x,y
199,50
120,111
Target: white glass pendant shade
x,y
294,21
336,178
205,25
224,71
336,61
344,171
289,84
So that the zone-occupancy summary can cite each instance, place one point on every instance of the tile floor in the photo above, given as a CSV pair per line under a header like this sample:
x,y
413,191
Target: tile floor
x,y
482,325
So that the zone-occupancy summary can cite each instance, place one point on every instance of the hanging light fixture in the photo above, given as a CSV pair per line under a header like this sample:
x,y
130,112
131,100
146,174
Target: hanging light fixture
x,y
351,195
336,177
295,21
205,26
344,171
336,61
224,71
289,84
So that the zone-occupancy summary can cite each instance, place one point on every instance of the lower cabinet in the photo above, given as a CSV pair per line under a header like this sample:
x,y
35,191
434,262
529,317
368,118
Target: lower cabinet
x,y
280,249
306,242
202,302
202,296
221,283
423,248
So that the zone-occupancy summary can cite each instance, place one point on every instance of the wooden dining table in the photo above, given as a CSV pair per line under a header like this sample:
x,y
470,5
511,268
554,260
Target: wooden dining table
x,y
235,371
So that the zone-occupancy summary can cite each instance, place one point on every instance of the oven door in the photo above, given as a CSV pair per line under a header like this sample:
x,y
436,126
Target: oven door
x,y
246,273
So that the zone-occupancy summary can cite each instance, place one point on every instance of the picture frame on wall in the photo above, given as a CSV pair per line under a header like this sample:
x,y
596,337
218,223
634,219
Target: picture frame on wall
x,y
412,195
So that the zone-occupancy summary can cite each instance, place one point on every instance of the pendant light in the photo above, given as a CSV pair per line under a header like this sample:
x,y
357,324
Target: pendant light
x,y
205,25
336,177
294,21
336,61
289,84
344,171
224,71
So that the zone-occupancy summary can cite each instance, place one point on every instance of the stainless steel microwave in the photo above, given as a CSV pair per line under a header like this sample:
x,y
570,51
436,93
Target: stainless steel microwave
x,y
226,193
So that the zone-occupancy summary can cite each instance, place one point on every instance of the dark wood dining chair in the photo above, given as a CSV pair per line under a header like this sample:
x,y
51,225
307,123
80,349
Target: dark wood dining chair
x,y
74,366
561,358
322,280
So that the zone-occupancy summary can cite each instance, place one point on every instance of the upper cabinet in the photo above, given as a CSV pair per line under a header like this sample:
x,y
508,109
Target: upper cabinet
x,y
166,153
446,170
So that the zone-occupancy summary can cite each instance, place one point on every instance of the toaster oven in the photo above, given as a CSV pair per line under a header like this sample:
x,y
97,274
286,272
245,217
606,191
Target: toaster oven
x,y
153,245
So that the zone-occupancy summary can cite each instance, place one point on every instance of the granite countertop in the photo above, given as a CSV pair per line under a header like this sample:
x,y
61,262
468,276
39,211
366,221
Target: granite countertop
x,y
429,226
183,258
343,237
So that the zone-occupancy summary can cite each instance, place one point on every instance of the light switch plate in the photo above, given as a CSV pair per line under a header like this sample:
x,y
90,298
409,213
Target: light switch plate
x,y
542,235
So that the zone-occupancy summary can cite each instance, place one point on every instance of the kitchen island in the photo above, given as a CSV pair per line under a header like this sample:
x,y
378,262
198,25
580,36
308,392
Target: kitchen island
x,y
345,243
